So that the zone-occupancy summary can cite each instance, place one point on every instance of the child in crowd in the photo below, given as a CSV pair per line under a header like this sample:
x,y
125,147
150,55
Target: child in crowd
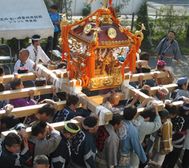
x,y
17,84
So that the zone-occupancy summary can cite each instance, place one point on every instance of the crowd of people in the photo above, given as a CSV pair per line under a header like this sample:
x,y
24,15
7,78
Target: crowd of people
x,y
130,140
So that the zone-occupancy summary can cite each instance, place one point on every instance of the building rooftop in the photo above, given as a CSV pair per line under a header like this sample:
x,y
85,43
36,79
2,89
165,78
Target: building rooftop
x,y
178,2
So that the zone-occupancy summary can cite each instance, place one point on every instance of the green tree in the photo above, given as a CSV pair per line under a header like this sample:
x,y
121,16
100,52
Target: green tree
x,y
169,18
187,34
86,10
142,17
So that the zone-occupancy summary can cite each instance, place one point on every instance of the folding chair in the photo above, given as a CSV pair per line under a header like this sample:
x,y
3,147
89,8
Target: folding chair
x,y
6,58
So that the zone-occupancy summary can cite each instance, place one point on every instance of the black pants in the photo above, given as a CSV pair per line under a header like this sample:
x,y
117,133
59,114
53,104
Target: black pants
x,y
52,43
185,159
55,40
49,45
171,158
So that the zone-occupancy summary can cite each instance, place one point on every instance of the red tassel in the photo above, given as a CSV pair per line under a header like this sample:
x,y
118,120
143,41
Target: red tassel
x,y
110,2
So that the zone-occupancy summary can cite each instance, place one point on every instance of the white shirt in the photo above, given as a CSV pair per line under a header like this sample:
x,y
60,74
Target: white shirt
x,y
29,65
36,55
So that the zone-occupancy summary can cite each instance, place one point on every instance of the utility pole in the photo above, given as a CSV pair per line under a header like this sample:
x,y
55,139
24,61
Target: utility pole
x,y
132,22
66,8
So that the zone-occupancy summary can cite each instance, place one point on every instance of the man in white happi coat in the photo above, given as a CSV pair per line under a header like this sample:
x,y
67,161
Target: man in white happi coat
x,y
36,53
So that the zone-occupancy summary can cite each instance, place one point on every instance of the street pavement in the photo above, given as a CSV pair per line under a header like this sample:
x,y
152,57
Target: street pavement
x,y
179,69
171,1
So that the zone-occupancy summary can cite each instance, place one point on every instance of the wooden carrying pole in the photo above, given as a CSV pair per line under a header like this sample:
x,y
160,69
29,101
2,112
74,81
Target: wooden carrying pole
x,y
21,93
58,126
29,110
146,76
170,87
25,77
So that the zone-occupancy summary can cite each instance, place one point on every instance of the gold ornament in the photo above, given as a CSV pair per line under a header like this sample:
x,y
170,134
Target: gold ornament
x,y
87,28
106,19
139,34
112,33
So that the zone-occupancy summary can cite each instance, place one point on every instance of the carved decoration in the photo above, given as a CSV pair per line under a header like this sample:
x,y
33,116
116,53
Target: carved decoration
x,y
112,33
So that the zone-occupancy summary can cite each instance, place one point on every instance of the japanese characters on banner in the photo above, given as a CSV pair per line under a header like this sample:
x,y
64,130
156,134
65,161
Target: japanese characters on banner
x,y
21,19
24,18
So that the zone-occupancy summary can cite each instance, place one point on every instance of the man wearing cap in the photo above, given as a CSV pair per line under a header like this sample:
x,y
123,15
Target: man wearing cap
x,y
169,78
36,53
84,146
182,88
60,158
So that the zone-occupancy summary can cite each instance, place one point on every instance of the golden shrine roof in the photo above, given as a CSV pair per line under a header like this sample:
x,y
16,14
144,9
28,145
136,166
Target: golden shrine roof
x,y
102,29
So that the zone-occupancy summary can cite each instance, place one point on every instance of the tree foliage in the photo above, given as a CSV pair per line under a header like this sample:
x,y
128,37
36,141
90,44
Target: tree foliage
x,y
142,17
168,18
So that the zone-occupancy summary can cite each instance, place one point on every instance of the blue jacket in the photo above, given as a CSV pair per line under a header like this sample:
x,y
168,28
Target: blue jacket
x,y
84,150
55,17
61,156
130,141
10,160
65,115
